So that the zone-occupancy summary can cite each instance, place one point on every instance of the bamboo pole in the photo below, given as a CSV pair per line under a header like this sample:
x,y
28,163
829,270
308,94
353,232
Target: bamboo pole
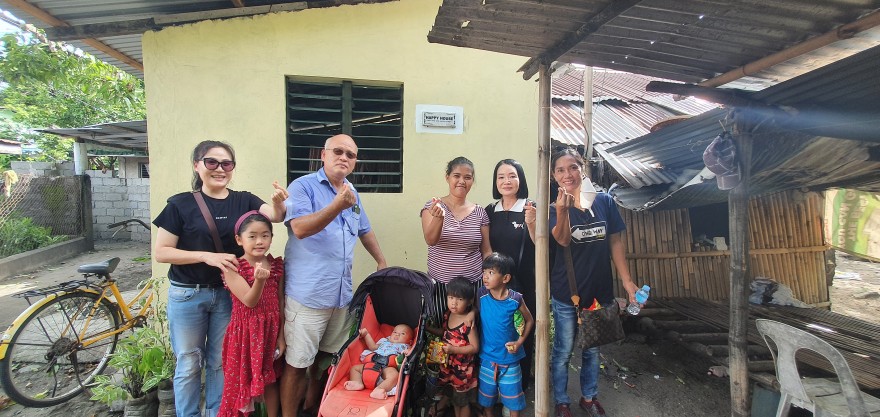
x,y
738,200
542,251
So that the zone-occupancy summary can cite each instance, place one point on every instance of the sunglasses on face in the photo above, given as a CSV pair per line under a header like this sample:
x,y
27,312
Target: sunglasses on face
x,y
340,151
212,164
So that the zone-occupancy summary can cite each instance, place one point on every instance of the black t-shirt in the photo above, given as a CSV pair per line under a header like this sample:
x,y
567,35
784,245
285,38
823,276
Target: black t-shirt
x,y
590,252
508,235
182,218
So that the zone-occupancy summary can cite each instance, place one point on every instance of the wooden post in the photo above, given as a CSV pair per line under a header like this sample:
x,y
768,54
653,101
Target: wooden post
x,y
738,204
588,117
85,198
542,251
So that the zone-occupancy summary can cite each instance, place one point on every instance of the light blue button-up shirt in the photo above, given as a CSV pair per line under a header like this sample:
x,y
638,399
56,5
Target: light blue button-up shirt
x,y
318,268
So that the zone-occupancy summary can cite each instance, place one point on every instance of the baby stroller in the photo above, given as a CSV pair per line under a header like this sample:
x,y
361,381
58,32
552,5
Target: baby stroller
x,y
385,299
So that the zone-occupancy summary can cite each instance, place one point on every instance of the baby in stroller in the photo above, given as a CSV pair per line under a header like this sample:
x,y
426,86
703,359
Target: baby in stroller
x,y
378,369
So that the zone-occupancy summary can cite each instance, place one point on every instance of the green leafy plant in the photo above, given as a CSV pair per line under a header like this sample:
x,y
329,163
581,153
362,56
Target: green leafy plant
x,y
20,234
105,391
142,358
50,84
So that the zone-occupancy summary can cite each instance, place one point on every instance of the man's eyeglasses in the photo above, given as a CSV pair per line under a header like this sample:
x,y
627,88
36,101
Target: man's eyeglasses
x,y
340,151
212,164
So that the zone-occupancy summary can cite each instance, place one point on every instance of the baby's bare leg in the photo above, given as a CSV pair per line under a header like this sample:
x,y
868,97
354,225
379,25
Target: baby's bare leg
x,y
390,376
355,378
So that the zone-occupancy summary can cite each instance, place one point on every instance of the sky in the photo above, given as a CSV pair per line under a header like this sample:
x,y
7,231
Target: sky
x,y
6,27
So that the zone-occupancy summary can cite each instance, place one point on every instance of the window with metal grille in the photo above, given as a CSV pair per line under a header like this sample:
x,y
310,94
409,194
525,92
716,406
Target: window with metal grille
x,y
371,112
144,169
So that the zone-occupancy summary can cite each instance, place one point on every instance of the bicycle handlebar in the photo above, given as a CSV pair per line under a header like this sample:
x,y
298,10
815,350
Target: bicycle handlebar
x,y
127,222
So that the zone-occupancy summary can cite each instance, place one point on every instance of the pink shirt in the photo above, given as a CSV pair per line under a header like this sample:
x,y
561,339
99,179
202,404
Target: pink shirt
x,y
457,253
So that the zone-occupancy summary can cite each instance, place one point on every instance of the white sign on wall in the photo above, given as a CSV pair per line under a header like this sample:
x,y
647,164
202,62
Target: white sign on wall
x,y
434,118
438,119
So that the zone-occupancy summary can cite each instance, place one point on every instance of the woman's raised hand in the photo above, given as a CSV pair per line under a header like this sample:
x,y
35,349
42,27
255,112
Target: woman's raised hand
x,y
221,260
530,212
436,209
564,200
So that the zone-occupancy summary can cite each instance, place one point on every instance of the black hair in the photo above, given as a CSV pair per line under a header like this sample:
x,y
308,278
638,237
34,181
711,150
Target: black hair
x,y
199,152
256,217
499,261
462,288
459,161
523,191
566,152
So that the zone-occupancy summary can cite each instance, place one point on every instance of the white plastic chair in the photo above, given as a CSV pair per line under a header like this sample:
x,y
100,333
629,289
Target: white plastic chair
x,y
821,396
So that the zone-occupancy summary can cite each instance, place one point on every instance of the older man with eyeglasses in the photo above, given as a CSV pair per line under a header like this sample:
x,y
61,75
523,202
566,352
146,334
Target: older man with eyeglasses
x,y
324,217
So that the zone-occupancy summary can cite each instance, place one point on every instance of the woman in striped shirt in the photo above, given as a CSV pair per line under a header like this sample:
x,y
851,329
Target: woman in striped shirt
x,y
457,233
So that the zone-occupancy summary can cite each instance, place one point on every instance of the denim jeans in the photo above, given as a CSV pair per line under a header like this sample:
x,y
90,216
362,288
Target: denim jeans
x,y
197,319
565,324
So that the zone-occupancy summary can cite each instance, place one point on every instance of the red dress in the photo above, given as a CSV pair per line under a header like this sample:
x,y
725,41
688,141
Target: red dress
x,y
458,371
249,344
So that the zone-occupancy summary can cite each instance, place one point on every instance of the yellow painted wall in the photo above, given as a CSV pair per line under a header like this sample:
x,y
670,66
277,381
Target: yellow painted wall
x,y
225,80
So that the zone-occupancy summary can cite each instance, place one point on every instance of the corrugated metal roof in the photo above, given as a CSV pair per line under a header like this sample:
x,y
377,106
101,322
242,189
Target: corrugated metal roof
x,y
839,101
84,12
681,40
125,135
622,109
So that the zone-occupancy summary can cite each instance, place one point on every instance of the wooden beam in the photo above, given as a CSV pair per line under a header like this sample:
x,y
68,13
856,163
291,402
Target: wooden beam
x,y
66,32
37,12
47,18
101,30
738,207
729,97
139,26
616,8
107,49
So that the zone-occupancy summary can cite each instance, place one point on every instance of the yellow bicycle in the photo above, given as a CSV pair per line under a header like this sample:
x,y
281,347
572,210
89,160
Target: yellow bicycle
x,y
56,347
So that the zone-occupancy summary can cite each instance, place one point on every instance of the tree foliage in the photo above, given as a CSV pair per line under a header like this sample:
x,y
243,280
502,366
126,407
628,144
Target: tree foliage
x,y
51,85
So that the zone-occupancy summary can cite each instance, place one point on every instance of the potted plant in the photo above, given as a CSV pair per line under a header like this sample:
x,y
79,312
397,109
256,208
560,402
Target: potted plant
x,y
142,359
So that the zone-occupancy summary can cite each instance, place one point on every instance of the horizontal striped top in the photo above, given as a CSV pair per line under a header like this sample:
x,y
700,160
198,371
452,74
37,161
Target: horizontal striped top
x,y
457,253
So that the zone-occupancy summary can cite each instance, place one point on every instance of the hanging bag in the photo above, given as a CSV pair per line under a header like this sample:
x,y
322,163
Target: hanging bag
x,y
203,207
595,327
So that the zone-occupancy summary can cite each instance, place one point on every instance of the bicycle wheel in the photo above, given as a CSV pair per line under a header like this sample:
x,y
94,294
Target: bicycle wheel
x,y
46,363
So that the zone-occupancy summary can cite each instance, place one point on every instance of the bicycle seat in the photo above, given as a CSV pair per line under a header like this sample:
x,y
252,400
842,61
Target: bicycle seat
x,y
101,268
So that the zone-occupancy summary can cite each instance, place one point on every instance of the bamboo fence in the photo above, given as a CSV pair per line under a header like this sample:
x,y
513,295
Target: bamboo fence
x,y
787,244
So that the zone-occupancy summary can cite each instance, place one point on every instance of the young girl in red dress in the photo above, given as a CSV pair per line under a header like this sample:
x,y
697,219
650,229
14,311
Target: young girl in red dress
x,y
461,344
254,338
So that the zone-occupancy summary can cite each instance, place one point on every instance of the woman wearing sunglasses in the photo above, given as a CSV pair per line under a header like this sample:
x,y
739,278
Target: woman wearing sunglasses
x,y
199,306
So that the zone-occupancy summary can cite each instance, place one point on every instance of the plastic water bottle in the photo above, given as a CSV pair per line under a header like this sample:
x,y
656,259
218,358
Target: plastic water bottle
x,y
641,298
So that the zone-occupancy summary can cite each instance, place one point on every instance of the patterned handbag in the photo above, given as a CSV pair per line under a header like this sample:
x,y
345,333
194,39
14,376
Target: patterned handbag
x,y
595,327
599,327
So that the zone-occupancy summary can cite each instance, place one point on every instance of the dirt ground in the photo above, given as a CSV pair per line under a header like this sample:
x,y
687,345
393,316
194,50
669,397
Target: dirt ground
x,y
640,379
134,266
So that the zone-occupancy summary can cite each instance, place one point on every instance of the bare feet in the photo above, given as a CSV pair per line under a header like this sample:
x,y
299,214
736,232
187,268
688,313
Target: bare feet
x,y
354,386
378,393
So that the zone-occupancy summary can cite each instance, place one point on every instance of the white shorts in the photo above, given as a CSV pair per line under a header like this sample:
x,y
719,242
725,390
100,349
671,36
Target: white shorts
x,y
308,330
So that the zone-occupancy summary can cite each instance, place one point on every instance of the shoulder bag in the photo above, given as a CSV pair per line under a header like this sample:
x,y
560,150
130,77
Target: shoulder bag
x,y
200,200
595,327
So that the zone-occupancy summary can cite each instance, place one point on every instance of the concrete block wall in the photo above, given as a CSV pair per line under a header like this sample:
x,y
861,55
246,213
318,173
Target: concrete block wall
x,y
43,169
116,199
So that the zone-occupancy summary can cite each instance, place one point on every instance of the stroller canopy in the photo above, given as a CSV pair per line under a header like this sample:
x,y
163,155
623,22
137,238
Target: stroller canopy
x,y
397,295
